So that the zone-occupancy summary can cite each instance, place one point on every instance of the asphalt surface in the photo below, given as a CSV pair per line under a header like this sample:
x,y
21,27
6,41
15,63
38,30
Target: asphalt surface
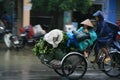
x,y
23,65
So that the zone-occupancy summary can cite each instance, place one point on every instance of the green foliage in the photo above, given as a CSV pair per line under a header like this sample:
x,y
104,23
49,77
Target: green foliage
x,y
46,49
42,47
62,5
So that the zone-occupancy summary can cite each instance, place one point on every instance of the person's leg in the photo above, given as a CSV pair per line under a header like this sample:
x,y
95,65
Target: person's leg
x,y
96,49
105,51
86,54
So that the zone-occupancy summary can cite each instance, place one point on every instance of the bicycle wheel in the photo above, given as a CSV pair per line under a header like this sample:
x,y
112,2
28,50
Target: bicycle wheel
x,y
74,65
59,72
111,68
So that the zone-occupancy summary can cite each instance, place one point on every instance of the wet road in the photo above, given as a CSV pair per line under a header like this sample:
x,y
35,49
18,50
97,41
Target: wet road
x,y
23,65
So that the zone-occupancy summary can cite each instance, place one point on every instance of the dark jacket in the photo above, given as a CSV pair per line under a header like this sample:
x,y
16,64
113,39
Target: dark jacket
x,y
106,30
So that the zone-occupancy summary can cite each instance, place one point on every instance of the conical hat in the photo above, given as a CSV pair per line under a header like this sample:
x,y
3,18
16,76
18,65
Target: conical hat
x,y
87,22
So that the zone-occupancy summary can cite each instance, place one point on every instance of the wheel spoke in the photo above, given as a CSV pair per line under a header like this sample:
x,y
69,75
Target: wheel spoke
x,y
111,68
74,66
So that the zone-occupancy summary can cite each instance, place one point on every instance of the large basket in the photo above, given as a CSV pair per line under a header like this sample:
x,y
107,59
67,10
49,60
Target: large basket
x,y
49,57
59,54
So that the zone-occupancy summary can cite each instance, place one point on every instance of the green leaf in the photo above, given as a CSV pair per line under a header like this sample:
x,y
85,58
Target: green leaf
x,y
62,5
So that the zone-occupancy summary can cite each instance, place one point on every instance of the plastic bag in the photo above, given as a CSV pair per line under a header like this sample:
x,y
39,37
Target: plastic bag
x,y
81,36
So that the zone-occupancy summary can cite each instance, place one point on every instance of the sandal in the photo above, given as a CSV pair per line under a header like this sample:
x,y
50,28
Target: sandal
x,y
107,59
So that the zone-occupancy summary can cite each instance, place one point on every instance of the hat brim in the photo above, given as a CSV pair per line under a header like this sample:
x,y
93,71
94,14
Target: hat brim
x,y
87,22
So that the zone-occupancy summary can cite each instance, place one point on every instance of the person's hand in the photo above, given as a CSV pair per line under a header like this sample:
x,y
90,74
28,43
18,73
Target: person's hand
x,y
86,31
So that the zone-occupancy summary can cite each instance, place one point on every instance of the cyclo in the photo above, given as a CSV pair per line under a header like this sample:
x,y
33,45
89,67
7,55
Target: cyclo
x,y
69,61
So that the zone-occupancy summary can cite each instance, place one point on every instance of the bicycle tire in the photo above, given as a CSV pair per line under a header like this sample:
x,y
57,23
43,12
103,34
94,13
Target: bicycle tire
x,y
111,68
59,72
74,66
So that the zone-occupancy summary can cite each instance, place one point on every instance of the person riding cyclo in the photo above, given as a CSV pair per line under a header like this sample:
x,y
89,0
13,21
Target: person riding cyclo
x,y
106,33
84,37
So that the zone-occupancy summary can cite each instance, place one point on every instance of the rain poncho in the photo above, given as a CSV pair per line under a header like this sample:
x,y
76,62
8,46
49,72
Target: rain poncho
x,y
87,42
106,30
83,44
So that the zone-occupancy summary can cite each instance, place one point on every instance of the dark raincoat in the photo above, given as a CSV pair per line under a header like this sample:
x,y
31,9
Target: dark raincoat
x,y
106,31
